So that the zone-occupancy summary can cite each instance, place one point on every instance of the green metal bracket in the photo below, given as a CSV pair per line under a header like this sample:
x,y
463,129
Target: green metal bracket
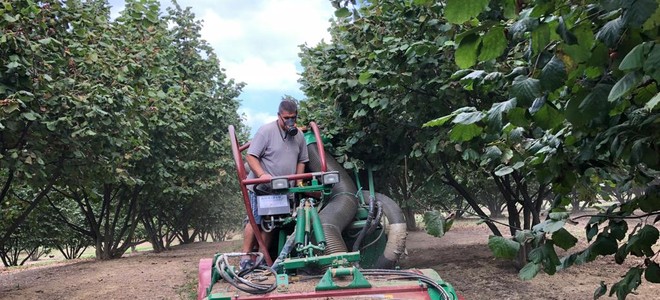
x,y
372,192
215,276
219,296
335,259
282,281
327,283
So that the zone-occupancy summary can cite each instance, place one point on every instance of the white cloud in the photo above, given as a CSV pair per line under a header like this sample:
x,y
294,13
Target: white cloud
x,y
220,30
258,44
254,119
259,74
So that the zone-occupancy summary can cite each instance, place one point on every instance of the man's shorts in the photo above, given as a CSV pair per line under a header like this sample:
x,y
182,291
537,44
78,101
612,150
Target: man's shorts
x,y
253,203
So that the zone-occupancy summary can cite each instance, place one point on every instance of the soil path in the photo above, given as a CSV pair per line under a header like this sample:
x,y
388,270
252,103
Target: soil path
x,y
461,257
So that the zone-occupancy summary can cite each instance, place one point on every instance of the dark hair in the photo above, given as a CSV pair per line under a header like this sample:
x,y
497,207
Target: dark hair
x,y
288,106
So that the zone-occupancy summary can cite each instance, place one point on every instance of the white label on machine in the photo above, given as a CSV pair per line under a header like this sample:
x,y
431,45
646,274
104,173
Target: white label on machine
x,y
273,205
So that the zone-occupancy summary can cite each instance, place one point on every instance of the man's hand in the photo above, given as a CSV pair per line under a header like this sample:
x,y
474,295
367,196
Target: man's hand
x,y
265,176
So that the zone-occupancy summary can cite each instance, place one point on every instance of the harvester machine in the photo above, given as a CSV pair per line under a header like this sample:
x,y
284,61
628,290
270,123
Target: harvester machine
x,y
332,239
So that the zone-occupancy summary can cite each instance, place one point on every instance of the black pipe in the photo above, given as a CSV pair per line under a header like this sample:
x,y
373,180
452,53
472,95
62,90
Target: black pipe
x,y
396,237
367,225
341,209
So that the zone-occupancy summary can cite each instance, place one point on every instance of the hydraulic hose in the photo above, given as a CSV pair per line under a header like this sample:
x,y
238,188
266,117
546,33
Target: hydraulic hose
x,y
238,280
367,225
340,211
396,237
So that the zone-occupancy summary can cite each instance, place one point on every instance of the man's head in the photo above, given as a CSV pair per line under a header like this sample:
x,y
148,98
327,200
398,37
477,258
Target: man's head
x,y
287,115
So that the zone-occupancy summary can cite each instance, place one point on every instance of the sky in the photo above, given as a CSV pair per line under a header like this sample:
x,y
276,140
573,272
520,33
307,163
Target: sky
x,y
257,43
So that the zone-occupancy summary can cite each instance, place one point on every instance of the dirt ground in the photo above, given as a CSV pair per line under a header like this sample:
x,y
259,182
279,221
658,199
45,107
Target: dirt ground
x,y
461,257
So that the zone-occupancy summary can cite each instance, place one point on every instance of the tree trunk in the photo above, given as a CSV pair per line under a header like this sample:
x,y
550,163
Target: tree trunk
x,y
410,218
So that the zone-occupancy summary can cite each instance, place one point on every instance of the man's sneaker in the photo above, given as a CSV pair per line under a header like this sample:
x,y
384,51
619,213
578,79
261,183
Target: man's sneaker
x,y
246,263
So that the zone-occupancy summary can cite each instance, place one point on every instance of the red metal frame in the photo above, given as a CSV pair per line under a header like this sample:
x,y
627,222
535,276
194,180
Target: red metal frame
x,y
237,149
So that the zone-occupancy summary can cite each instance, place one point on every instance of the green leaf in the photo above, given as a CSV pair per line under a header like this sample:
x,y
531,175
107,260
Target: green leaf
x,y
529,271
439,121
548,117
634,60
601,290
464,133
364,77
342,12
525,89
621,254
11,19
650,201
638,11
629,283
30,116
502,107
13,65
503,247
540,38
625,85
459,11
493,43
594,102
553,75
652,272
435,223
537,104
52,126
517,117
550,226
503,170
348,165
648,235
469,117
610,33
618,229
460,74
10,107
493,152
604,245
565,34
466,53
564,239
496,111
470,155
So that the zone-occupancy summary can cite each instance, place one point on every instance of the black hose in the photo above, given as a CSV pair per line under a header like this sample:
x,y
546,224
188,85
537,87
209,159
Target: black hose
x,y
367,225
340,211
379,215
238,280
396,237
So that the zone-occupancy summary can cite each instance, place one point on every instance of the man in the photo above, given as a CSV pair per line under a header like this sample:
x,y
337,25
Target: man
x,y
275,150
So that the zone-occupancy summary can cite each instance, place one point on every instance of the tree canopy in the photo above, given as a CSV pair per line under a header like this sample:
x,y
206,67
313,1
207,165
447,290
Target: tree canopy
x,y
123,118
545,99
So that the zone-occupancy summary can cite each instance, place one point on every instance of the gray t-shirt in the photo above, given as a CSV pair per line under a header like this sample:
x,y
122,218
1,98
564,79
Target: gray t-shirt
x,y
278,156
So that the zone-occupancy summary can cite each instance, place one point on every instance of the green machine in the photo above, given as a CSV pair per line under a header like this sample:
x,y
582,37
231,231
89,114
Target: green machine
x,y
332,240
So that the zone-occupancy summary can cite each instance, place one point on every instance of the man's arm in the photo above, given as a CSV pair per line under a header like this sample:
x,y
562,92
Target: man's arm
x,y
300,168
255,166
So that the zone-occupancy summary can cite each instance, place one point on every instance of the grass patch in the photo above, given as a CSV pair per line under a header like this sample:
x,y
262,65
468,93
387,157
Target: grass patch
x,y
188,290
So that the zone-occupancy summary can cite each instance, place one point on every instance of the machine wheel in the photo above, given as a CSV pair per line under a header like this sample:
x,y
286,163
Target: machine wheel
x,y
203,277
